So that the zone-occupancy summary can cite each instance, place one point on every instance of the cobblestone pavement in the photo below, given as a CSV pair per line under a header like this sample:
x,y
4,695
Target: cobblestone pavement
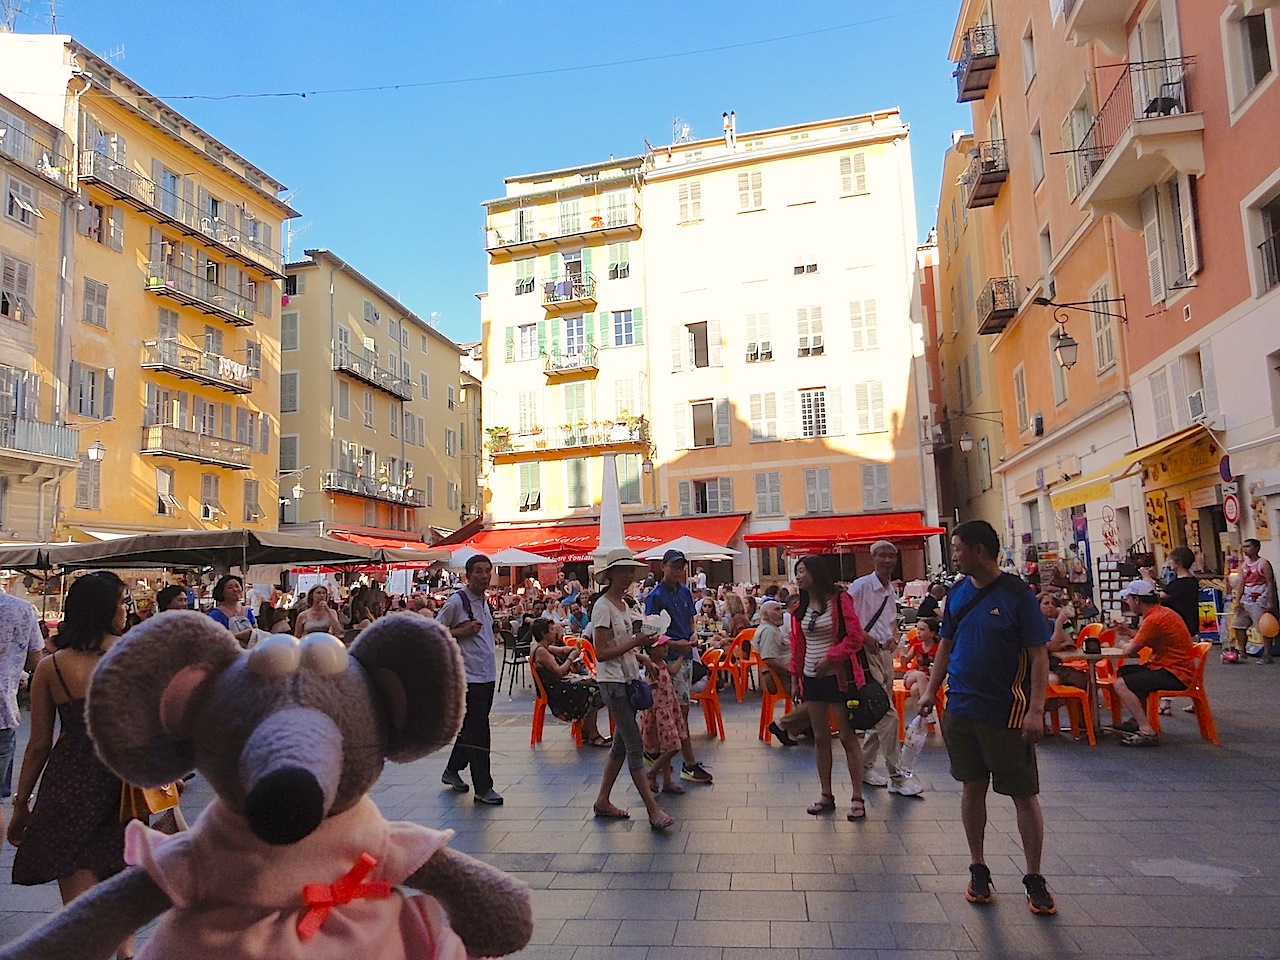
x,y
1172,852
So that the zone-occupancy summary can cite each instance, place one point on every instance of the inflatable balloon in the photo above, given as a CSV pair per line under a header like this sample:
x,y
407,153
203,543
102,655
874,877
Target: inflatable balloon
x,y
1268,625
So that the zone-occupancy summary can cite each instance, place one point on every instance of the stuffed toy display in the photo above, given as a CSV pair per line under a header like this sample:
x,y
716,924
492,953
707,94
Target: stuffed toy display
x,y
292,858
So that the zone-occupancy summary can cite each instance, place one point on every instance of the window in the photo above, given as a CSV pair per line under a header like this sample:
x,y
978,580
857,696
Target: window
x,y
367,407
20,203
869,399
1057,372
576,493
527,341
424,385
371,315
295,285
624,328
19,393
624,397
704,424
95,303
800,269
629,472
393,330
574,337
813,413
853,174
1104,343
570,216
690,201
1169,235
1161,405
422,432
984,463
619,260
210,502
253,358
1046,259
527,405
530,486
817,490
1074,127
524,275
1037,157
450,398
1265,219
769,494
759,338
976,371
764,416
252,509
344,400
706,496
617,208
966,381
450,442
750,190
89,483
875,486
1020,398
699,345
15,288
863,326
166,504
92,390
1028,56
1248,52
409,436
289,393
395,420
424,343
289,451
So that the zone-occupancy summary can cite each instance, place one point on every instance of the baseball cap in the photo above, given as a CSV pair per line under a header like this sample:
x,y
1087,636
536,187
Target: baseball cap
x,y
1138,588
674,556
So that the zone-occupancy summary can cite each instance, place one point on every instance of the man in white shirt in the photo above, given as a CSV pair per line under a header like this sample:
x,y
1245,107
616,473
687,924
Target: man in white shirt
x,y
20,646
876,601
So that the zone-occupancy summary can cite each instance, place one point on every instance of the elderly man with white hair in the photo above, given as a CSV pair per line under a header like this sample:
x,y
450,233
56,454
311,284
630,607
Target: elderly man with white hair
x,y
774,647
876,600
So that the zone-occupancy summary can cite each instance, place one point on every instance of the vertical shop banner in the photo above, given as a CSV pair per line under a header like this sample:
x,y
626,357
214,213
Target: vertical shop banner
x,y
1158,520
1258,506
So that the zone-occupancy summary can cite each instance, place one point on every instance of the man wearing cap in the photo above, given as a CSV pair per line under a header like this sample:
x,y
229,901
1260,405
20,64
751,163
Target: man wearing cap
x,y
1171,666
674,597
876,600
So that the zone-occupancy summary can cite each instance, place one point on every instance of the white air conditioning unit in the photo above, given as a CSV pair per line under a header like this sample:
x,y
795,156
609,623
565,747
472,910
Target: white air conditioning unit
x,y
1195,406
1036,425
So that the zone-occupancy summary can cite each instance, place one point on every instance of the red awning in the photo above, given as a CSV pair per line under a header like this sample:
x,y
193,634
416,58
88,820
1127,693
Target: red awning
x,y
569,543
827,534
395,543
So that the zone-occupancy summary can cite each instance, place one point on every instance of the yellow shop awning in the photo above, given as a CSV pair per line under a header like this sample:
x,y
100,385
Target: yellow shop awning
x,y
1097,485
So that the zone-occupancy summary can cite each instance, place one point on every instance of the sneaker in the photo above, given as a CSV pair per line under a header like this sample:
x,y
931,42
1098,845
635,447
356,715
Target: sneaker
x,y
906,787
980,885
783,737
1039,899
454,779
1128,726
695,773
650,758
873,779
491,797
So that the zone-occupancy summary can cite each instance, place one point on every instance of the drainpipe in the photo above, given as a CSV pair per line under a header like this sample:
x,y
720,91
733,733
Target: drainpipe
x,y
66,263
40,527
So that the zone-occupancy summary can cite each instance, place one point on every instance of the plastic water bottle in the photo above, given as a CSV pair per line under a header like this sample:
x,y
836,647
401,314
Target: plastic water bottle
x,y
917,733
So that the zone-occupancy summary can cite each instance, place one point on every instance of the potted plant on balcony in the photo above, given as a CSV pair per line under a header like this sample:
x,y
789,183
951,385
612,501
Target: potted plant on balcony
x,y
499,439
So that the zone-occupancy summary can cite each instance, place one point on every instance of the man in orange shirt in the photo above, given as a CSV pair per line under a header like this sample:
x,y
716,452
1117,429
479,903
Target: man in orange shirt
x,y
1170,667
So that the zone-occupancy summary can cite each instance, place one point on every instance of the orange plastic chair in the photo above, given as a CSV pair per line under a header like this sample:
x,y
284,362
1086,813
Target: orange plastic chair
x,y
588,654
769,701
900,706
709,699
1078,707
1089,631
540,711
1195,693
738,664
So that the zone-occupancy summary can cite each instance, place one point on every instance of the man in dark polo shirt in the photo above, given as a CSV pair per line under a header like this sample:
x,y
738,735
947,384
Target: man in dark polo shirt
x,y
994,655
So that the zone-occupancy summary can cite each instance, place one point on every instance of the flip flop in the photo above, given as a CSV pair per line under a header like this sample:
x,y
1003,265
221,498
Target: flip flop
x,y
858,809
664,823
601,742
610,812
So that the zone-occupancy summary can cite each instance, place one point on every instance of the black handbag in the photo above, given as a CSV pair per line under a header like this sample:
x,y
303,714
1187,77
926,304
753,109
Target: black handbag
x,y
639,695
868,703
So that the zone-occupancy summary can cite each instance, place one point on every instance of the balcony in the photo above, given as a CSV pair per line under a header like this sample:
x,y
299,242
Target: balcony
x,y
1270,262
195,291
169,356
997,304
570,293
371,488
1100,20
1144,132
630,435
31,439
36,155
536,228
568,364
988,170
978,59
144,194
164,440
366,369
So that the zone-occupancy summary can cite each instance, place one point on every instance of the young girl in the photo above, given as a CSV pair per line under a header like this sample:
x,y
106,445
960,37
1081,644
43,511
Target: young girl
x,y
917,657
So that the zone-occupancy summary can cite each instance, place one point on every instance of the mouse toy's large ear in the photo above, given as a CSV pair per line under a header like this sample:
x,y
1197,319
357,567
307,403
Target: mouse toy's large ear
x,y
417,675
148,690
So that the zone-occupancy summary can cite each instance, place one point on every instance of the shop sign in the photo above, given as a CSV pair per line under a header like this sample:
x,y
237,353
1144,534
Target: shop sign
x,y
1191,460
1204,497
1231,508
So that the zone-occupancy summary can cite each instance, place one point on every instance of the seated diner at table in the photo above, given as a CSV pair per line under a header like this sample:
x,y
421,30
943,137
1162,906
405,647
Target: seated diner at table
x,y
1170,667
1055,616
572,694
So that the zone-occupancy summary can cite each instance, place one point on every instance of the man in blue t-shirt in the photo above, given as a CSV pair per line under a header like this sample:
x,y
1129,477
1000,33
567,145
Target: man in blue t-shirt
x,y
994,656
671,595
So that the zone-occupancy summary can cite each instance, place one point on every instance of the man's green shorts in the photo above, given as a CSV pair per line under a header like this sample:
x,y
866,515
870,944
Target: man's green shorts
x,y
982,752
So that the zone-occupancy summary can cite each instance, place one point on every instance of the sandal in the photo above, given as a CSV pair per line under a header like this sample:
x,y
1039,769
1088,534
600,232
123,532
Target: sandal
x,y
610,812
1140,740
826,805
672,788
599,741
1166,709
665,822
858,810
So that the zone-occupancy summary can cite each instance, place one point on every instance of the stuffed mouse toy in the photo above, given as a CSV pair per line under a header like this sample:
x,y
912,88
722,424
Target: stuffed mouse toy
x,y
292,858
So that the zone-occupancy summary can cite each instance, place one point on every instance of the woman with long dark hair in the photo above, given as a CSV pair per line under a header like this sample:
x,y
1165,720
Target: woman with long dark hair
x,y
74,834
825,639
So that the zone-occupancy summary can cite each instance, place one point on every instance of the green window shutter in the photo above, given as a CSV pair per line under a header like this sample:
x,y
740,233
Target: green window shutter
x,y
511,344
590,329
542,337
637,320
554,266
606,332
586,260
555,337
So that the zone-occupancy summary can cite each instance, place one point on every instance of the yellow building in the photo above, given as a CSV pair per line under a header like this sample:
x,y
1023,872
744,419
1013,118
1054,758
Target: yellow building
x,y
35,451
374,427
166,337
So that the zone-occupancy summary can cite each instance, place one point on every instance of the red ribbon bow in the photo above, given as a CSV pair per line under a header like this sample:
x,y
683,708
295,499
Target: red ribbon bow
x,y
321,897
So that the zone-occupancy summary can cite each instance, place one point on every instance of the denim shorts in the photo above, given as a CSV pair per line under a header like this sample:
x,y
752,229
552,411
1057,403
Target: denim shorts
x,y
682,680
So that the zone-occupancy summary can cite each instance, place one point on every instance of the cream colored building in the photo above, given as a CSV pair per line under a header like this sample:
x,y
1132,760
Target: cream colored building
x,y
163,349
374,428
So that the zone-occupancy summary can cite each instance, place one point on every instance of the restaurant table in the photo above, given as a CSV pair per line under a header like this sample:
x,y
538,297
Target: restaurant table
x,y
1114,654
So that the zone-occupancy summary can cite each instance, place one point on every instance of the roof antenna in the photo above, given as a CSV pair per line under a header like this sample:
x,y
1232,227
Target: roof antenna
x,y
10,11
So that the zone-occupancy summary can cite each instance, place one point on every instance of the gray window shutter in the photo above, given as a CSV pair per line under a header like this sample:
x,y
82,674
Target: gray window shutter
x,y
811,490
149,413
824,488
724,423
713,343
882,484
109,394
790,429
264,433
681,422
226,421
725,485
685,488
184,411
868,486
762,493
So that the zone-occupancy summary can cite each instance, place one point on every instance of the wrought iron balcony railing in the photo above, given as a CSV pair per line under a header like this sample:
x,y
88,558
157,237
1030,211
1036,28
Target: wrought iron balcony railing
x,y
170,441
198,365
372,488
585,359
997,304
569,291
40,439
978,56
988,170
196,291
366,368
38,156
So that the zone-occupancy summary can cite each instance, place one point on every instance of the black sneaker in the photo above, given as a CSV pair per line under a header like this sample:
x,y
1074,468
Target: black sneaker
x,y
695,773
452,778
491,797
783,737
980,885
1039,899
1128,726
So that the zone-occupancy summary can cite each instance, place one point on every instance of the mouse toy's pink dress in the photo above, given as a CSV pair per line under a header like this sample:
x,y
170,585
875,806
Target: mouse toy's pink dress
x,y
236,897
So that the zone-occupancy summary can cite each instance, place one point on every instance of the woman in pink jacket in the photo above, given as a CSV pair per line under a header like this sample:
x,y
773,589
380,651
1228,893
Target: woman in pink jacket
x,y
825,639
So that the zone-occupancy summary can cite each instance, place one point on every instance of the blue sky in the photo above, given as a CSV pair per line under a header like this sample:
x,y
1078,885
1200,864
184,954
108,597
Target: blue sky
x,y
392,180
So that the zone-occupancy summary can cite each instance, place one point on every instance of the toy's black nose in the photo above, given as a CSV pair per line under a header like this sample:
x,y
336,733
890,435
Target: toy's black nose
x,y
285,805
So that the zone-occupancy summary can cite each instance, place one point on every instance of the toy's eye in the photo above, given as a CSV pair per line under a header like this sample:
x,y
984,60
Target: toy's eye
x,y
324,653
276,656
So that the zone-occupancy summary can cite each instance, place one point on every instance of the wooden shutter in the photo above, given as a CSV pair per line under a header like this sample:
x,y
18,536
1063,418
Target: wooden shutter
x,y
511,344
679,335
862,406
555,336
835,413
1186,209
846,175
115,228
868,486
857,325
713,343
685,496
637,323
684,201
810,490
876,393
542,338
1209,378
183,411
109,393
790,425
1070,158
756,409
226,420
823,476
859,173
586,262
882,483
775,492
604,324
681,423
1151,240
150,416
725,487
264,433
1181,413
724,423
695,200
762,493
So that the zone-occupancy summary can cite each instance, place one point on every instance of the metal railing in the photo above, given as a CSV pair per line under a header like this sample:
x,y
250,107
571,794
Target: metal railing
x,y
569,289
586,359
169,280
193,364
36,155
173,441
367,369
41,439
373,488
570,436
979,43
998,300
171,208
529,229
1146,89
1270,260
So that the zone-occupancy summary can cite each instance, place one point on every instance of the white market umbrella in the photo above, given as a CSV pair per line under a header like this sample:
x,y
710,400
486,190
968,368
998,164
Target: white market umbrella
x,y
515,557
458,559
693,549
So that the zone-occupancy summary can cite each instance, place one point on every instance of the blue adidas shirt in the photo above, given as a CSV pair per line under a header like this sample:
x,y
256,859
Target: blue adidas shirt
x,y
989,675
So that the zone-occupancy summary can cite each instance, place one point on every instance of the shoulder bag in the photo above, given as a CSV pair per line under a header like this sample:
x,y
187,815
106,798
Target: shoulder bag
x,y
138,803
868,703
